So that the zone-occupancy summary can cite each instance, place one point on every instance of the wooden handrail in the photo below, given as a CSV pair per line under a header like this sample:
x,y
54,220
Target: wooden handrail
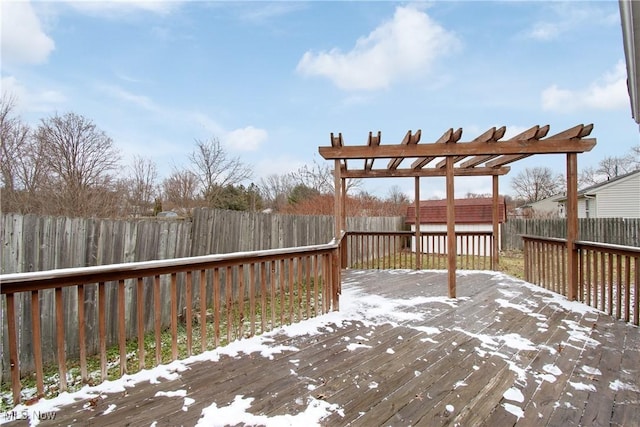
x,y
39,280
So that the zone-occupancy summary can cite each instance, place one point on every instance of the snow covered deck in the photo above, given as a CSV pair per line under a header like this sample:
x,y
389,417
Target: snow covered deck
x,y
398,353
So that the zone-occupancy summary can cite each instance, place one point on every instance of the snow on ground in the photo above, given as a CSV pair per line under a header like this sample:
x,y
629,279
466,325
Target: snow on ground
x,y
370,310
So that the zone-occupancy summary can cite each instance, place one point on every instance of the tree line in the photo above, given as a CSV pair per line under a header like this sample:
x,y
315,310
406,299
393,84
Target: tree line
x,y
68,166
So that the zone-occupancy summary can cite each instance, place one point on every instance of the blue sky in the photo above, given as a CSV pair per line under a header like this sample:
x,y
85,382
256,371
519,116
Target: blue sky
x,y
271,80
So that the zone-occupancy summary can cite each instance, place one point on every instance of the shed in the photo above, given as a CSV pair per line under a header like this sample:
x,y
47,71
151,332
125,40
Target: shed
x,y
471,215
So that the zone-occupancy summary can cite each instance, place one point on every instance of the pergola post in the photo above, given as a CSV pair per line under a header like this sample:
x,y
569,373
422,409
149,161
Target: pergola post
x,y
343,216
495,246
337,208
451,229
572,226
418,222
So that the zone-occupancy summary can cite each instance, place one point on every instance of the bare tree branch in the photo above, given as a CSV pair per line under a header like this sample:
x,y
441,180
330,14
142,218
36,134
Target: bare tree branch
x,y
215,169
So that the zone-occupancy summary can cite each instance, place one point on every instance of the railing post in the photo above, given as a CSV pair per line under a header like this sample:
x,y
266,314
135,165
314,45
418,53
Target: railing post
x,y
526,261
335,275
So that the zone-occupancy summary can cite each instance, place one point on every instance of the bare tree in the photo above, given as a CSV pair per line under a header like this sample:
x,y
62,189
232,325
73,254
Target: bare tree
x,y
82,158
320,177
610,167
275,190
143,185
533,184
180,191
589,176
397,197
215,169
23,170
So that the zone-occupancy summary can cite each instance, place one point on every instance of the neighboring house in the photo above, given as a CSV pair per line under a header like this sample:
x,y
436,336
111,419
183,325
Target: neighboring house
x,y
618,197
551,207
471,215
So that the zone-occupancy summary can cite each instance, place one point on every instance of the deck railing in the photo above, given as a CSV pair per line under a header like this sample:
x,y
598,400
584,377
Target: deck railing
x,y
397,249
137,309
608,275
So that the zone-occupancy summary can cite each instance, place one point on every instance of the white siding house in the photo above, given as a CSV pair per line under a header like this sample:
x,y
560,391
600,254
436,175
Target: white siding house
x,y
551,207
618,197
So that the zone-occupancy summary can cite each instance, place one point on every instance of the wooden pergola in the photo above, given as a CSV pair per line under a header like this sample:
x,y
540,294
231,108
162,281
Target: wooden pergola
x,y
486,155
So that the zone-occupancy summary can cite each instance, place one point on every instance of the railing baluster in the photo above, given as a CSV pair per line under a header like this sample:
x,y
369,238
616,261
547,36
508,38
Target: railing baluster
x,y
228,293
82,338
619,287
636,293
122,331
627,287
274,294
603,283
252,298
102,329
299,290
216,306
203,310
282,290
157,318
263,297
241,300
174,316
140,320
308,285
189,312
291,267
62,359
610,257
37,343
14,361
316,272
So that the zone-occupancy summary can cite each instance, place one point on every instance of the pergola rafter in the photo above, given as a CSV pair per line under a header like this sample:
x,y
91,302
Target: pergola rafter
x,y
486,155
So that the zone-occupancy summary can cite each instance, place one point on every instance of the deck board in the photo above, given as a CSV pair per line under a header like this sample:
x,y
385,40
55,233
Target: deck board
x,y
435,362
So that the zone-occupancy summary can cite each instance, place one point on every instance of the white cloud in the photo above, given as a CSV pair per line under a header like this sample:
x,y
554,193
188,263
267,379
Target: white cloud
x,y
606,93
569,16
406,45
124,95
38,100
22,37
246,139
280,165
115,8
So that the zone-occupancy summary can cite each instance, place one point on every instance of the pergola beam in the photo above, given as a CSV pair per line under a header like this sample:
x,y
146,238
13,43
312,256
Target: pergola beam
x,y
373,141
550,146
448,136
409,139
409,173
492,135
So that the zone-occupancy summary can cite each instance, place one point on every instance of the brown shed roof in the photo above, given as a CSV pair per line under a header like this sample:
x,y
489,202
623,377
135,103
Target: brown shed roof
x,y
468,211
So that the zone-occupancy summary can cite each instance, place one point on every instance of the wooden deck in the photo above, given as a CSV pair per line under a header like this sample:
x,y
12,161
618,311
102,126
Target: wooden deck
x,y
401,354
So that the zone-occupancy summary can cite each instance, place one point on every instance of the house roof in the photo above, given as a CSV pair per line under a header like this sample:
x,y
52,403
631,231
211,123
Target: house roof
x,y
468,211
597,187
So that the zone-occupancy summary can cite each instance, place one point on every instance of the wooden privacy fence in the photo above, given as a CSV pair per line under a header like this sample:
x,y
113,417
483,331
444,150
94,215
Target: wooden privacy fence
x,y
617,231
396,249
608,275
213,299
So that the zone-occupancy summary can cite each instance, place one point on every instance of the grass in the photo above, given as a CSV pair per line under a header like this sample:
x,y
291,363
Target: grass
x,y
511,262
